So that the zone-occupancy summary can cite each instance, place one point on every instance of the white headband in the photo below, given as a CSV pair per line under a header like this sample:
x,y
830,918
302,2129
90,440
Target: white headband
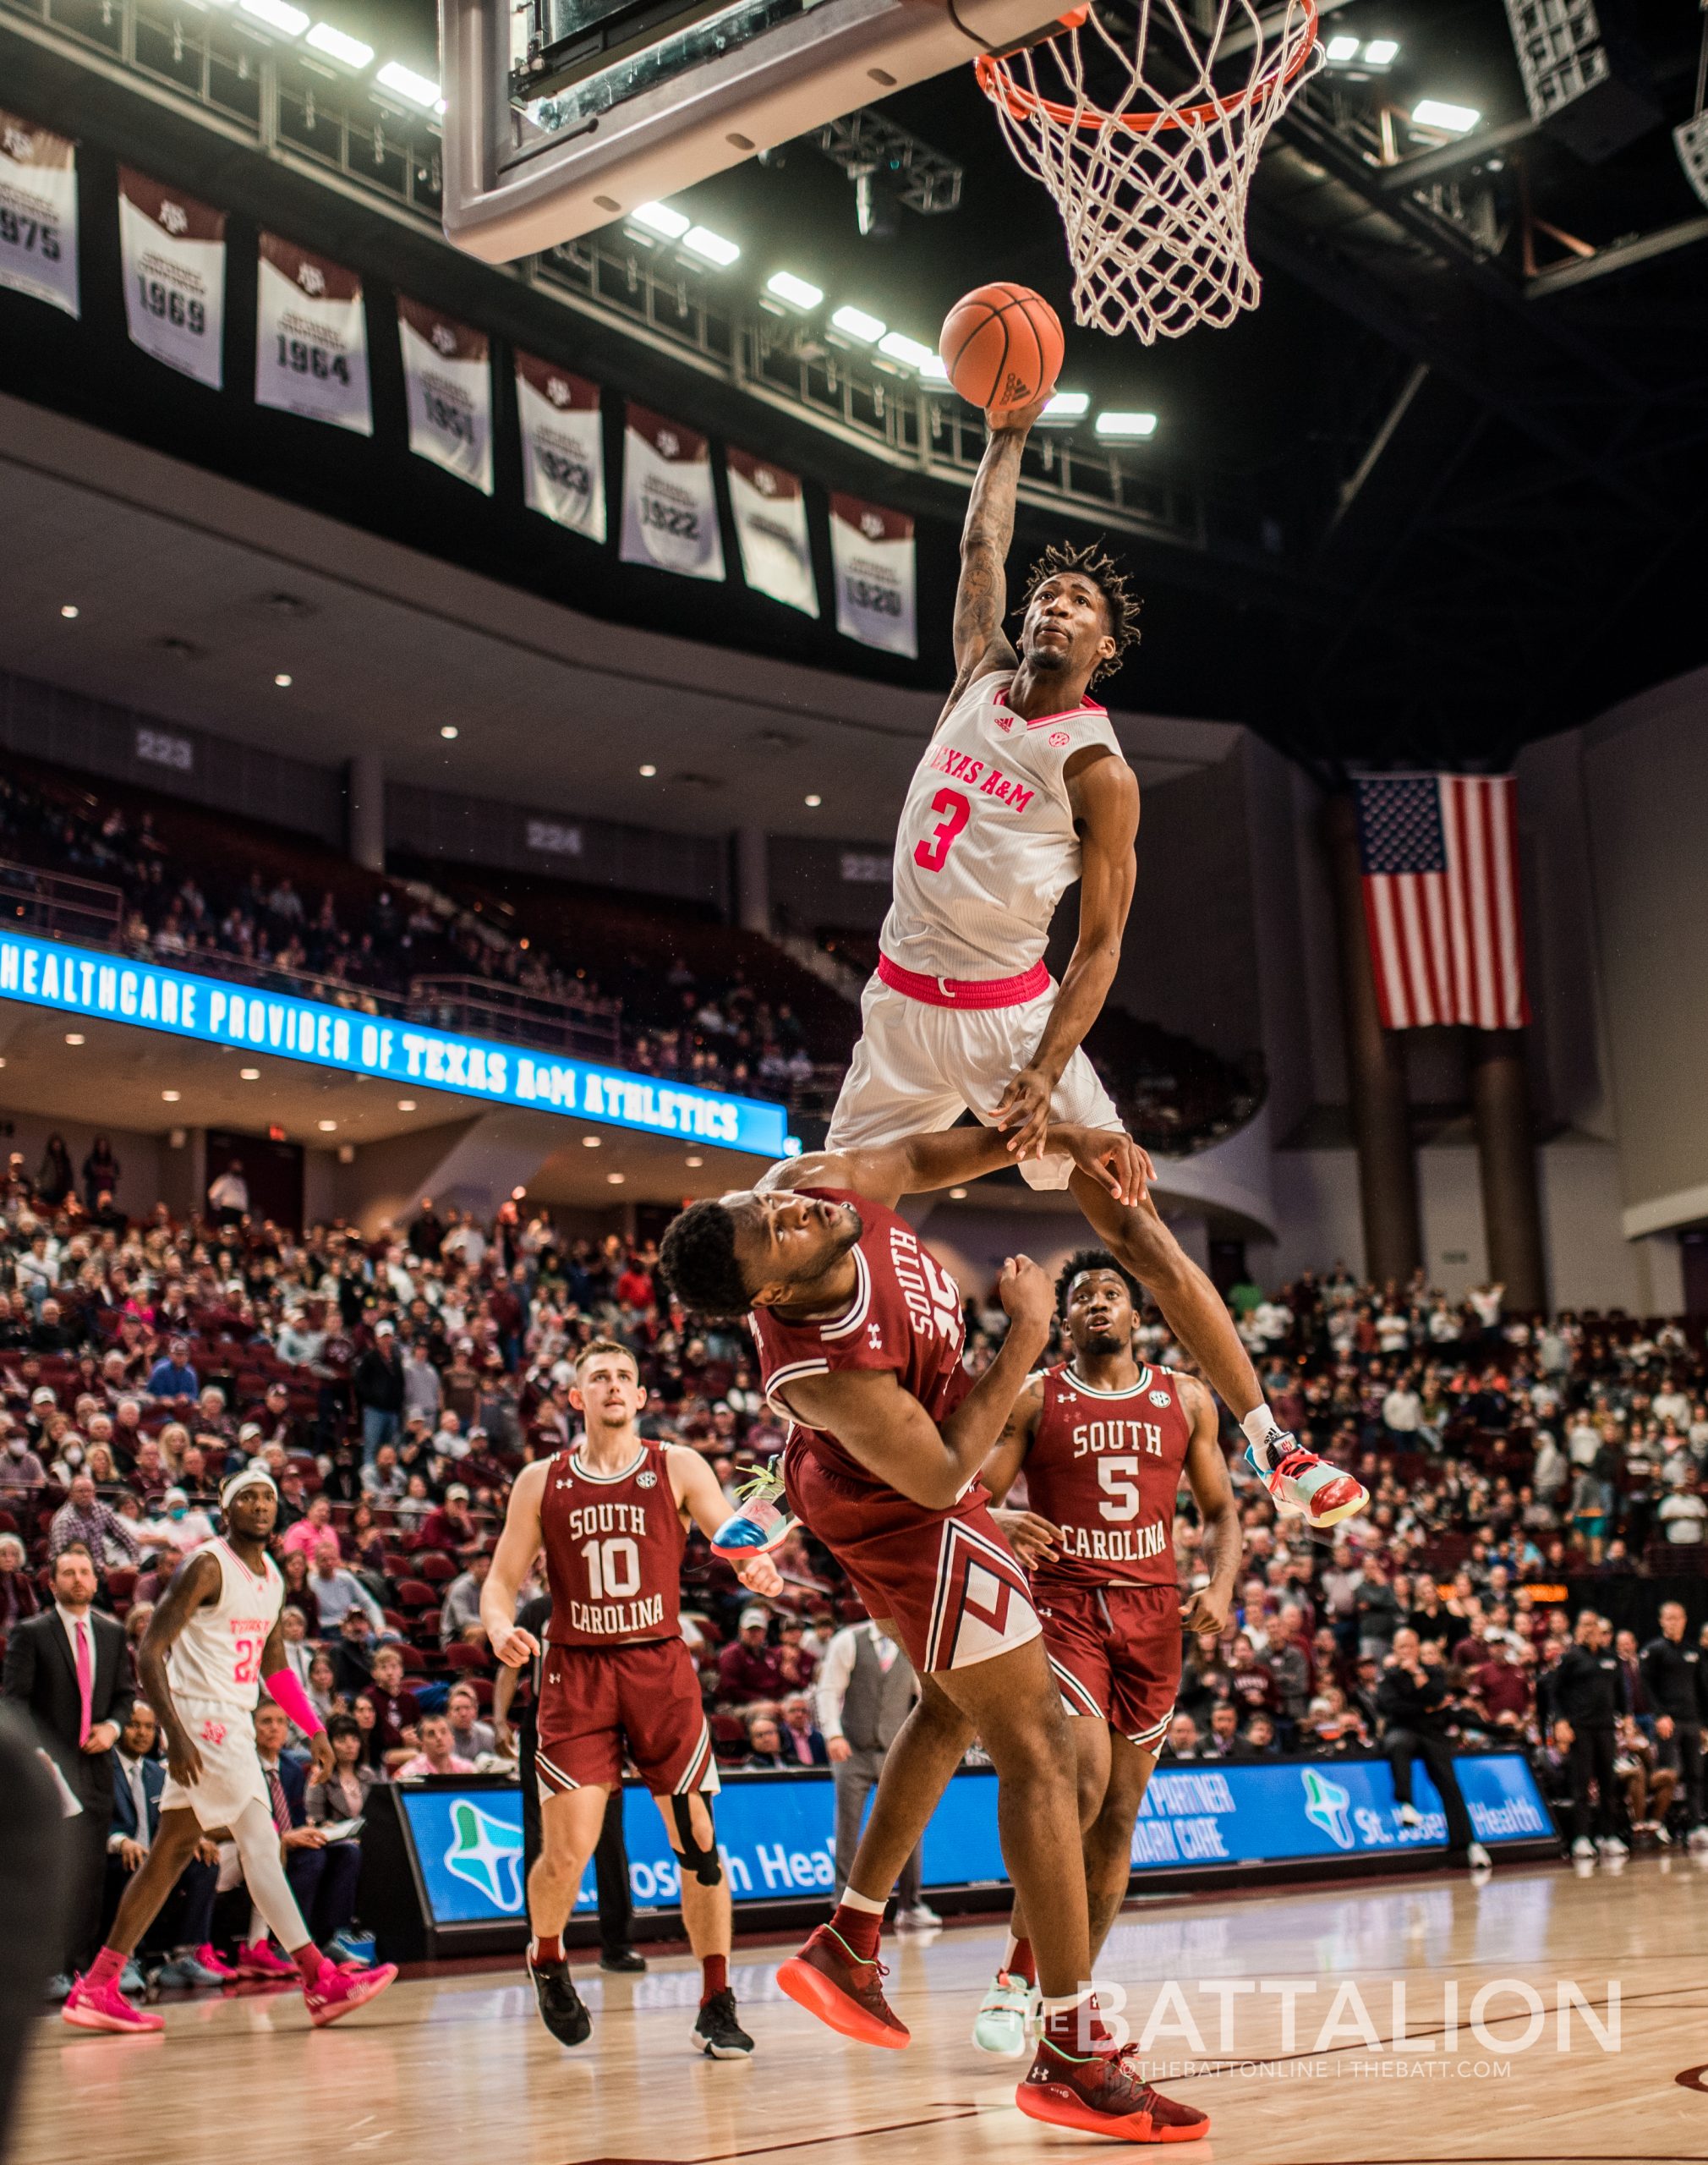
x,y
250,1477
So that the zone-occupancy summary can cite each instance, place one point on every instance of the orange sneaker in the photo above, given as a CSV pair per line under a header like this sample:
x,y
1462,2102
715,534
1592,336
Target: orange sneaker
x,y
835,1985
1099,2094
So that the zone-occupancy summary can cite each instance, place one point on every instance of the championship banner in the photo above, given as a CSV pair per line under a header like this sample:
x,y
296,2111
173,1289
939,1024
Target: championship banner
x,y
38,213
770,512
562,446
669,513
173,249
872,550
311,337
449,387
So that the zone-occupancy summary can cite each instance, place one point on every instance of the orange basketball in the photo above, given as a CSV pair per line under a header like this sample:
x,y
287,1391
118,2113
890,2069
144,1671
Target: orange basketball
x,y
1002,346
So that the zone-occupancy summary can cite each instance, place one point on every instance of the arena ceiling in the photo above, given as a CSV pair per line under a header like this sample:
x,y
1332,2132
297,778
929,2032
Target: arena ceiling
x,y
1453,469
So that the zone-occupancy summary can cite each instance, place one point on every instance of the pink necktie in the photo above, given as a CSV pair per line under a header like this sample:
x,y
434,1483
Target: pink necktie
x,y
85,1684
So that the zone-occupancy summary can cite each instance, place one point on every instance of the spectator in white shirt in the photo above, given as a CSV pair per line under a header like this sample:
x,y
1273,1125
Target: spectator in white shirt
x,y
1402,1410
336,1591
1683,1513
176,1527
423,1392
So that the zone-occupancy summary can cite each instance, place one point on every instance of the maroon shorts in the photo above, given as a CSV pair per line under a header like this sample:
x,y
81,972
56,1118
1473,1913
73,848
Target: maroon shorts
x,y
1116,1653
597,1701
947,1580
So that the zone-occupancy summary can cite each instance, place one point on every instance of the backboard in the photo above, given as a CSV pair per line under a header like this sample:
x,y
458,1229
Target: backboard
x,y
560,115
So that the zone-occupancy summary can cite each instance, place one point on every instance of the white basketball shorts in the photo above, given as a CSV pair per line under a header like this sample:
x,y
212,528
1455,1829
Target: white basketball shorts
x,y
231,1771
918,1067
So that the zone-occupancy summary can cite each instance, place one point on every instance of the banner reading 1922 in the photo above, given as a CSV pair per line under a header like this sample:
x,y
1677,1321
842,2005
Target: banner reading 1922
x,y
81,981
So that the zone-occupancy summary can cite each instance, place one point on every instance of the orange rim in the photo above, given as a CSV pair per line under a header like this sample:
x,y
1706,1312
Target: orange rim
x,y
996,79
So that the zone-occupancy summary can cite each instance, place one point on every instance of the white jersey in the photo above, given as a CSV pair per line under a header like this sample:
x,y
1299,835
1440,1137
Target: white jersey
x,y
216,1660
986,847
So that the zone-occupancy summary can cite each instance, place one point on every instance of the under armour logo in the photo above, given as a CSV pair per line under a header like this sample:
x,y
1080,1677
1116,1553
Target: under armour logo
x,y
563,1482
874,1336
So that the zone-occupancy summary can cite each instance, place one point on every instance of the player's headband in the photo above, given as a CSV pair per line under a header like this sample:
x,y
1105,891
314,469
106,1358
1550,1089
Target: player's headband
x,y
251,1477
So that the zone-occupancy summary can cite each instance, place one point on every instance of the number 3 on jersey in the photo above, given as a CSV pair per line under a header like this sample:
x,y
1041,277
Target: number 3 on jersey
x,y
930,854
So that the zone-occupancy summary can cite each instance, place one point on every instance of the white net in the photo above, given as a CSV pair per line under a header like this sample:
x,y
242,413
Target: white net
x,y
1148,141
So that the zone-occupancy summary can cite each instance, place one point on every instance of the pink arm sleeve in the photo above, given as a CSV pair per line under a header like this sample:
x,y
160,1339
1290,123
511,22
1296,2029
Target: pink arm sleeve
x,y
290,1697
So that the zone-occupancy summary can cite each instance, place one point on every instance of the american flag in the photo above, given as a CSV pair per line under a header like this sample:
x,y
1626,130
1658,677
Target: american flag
x,y
1440,855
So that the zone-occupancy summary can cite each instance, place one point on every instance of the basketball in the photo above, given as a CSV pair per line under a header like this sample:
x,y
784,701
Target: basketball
x,y
1002,346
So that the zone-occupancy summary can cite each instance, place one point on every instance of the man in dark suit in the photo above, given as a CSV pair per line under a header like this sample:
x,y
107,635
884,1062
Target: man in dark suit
x,y
68,1669
184,1925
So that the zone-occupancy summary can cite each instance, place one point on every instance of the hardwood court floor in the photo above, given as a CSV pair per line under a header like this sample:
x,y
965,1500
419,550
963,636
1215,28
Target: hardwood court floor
x,y
458,2067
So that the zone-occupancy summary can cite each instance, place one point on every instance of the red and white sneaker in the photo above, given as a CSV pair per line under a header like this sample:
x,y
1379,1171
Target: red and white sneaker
x,y
1301,1483
260,1959
1099,2094
832,1983
104,2007
337,1993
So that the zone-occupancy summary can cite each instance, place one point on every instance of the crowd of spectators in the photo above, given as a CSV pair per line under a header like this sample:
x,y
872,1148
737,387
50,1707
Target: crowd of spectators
x,y
394,1381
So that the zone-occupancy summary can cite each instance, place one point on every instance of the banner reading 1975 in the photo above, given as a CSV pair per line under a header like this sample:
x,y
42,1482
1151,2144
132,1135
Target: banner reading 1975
x,y
82,981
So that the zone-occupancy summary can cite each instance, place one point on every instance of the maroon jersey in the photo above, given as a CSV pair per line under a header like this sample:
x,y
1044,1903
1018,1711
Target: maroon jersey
x,y
905,1316
614,1545
1105,1467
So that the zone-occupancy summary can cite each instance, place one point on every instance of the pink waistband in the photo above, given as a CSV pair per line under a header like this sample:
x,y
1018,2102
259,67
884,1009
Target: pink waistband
x,y
960,992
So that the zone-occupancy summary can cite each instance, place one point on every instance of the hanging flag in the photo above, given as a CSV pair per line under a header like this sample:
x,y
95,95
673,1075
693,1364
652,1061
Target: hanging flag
x,y
448,386
38,213
1440,856
562,446
311,337
670,511
173,250
770,512
872,550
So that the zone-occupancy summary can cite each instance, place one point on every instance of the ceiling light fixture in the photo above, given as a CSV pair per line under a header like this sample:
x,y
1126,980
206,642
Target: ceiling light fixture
x,y
419,90
283,680
935,370
694,1162
69,609
337,45
75,1038
897,346
328,1127
814,801
1132,425
1067,406
1451,119
1381,51
957,1195
647,769
799,293
855,322
617,1180
171,1096
278,15
711,246
1343,49
591,1142
406,1105
250,1074
449,732
660,218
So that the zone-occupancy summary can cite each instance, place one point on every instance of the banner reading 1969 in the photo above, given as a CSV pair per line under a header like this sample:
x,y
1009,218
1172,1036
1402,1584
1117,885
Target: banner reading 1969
x,y
81,981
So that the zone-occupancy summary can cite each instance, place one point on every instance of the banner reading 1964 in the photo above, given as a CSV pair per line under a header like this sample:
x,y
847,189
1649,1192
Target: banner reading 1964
x,y
448,383
562,446
173,250
38,213
872,550
311,337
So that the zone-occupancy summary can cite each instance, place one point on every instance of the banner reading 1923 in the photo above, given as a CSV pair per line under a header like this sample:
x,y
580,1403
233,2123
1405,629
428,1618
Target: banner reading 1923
x,y
38,213
173,250
562,446
311,337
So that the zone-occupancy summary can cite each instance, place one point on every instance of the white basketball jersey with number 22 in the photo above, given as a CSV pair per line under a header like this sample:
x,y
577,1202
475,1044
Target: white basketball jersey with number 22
x,y
216,1660
987,848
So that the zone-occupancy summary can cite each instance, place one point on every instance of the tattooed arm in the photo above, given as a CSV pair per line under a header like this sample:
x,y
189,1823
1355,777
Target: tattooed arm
x,y
981,645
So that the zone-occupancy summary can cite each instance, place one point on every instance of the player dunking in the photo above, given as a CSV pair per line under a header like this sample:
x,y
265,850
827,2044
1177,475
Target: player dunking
x,y
860,1335
1023,790
214,1641
1104,1442
611,1515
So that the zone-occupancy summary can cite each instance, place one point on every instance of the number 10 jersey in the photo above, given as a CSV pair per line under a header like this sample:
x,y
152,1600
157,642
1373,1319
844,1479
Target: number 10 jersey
x,y
613,1545
986,847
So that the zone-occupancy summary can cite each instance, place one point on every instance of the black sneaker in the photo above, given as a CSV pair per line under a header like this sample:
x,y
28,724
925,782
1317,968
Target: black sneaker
x,y
624,1960
560,2006
717,2033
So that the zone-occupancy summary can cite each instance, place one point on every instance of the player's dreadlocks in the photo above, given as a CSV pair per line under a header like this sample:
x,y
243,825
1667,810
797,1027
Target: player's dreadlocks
x,y
698,1258
1095,563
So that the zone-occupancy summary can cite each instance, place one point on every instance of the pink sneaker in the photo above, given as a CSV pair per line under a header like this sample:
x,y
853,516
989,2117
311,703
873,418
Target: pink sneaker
x,y
258,1959
337,1993
104,2007
209,1959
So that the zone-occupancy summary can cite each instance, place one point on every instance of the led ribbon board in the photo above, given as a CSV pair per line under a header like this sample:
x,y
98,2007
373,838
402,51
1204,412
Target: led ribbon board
x,y
75,980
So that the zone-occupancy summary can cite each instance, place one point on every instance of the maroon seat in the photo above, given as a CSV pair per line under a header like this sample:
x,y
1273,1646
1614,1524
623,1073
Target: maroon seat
x,y
462,1653
435,1563
416,1594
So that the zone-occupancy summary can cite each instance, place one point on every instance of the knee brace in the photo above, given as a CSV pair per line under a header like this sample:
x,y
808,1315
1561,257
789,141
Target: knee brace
x,y
708,1865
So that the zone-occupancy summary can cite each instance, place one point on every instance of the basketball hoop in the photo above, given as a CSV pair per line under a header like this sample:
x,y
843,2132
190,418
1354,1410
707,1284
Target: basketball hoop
x,y
1152,187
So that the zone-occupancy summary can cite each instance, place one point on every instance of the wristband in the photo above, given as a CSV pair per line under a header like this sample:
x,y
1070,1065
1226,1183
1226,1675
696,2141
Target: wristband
x,y
289,1696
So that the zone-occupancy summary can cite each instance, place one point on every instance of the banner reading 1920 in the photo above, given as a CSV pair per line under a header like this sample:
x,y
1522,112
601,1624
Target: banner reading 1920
x,y
82,981
38,213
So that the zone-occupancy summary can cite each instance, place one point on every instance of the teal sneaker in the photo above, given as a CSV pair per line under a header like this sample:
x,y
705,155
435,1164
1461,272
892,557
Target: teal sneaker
x,y
1003,2022
762,1523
